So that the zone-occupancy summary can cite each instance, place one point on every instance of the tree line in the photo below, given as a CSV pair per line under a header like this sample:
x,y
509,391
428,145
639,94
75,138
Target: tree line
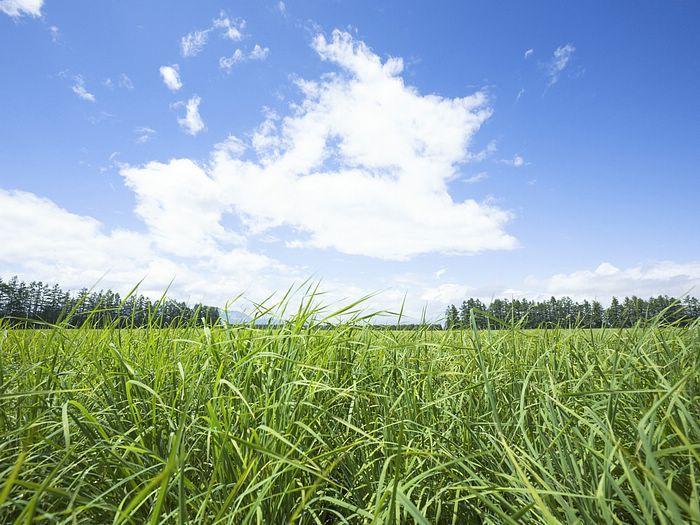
x,y
36,302
567,313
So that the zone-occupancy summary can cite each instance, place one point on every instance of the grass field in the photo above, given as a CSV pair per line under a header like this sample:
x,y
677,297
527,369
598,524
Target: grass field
x,y
349,425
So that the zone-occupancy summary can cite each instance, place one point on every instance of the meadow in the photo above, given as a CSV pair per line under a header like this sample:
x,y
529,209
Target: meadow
x,y
310,423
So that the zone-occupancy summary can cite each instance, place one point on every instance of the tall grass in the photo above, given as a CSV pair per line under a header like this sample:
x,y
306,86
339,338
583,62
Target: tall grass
x,y
349,424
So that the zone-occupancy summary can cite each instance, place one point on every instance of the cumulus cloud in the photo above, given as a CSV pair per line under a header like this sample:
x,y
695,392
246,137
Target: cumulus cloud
x,y
18,8
171,77
362,164
181,206
80,90
192,122
560,59
42,241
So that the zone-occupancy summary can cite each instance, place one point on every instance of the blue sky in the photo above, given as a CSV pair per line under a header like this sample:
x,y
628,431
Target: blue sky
x,y
435,149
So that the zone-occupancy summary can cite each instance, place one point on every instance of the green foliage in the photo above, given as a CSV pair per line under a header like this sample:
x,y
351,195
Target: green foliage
x,y
309,424
36,303
564,312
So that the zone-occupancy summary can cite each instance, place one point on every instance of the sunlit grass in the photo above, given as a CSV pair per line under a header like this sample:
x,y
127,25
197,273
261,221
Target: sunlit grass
x,y
350,424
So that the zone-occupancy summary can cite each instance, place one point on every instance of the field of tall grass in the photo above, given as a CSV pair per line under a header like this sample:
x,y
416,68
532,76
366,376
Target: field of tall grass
x,y
306,423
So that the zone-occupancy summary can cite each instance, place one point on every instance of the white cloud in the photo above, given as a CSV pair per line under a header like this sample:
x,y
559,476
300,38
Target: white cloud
x,y
125,82
55,33
529,53
231,146
227,63
282,7
517,161
181,206
144,134
445,294
17,8
233,29
171,77
184,239
79,89
362,165
42,241
520,94
40,237
560,59
664,277
192,122
482,175
192,43
259,52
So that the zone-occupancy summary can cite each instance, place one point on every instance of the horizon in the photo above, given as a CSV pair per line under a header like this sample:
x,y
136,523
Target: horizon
x,y
433,154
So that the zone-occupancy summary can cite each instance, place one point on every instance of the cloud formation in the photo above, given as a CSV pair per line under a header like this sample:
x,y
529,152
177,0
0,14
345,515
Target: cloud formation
x,y
560,59
257,53
171,77
80,90
362,165
664,277
18,8
144,134
192,122
192,43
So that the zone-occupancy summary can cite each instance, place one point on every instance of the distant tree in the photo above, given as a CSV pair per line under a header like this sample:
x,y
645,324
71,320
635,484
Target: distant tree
x,y
39,302
451,317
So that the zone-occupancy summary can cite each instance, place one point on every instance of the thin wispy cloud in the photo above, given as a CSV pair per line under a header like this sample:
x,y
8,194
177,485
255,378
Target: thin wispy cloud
x,y
233,28
560,60
144,134
193,43
123,81
257,53
55,33
476,178
80,90
517,161
529,53
227,63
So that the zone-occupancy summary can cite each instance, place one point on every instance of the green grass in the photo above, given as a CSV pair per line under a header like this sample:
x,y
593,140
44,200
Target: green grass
x,y
349,425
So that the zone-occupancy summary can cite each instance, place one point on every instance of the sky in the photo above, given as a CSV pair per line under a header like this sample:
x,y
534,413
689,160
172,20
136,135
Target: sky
x,y
431,151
